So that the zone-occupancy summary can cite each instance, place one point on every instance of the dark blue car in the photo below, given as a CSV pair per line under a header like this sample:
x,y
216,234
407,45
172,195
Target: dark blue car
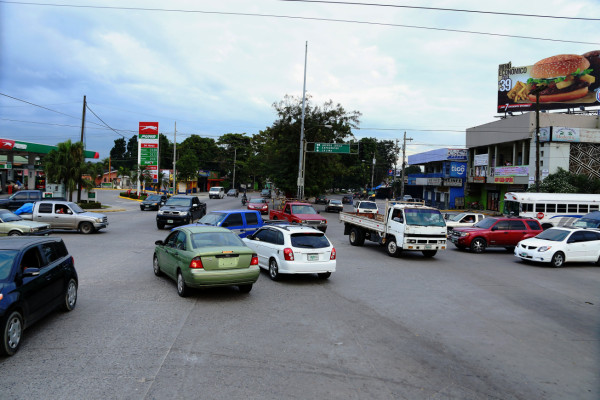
x,y
37,275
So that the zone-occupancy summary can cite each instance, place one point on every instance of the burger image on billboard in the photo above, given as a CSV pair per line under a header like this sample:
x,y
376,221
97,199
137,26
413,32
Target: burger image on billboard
x,y
594,58
560,78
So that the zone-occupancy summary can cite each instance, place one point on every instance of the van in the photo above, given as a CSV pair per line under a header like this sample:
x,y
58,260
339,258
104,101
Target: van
x,y
216,192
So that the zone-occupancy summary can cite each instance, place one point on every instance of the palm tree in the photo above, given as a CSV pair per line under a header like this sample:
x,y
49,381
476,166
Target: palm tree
x,y
64,165
123,172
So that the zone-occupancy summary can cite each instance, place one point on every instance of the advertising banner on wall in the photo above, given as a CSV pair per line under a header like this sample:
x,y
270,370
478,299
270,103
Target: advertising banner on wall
x,y
148,148
480,159
521,170
458,170
457,154
575,135
563,81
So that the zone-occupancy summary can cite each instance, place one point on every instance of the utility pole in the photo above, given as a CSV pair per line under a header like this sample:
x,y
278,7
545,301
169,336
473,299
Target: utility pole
x,y
403,163
373,171
234,157
82,144
395,169
300,163
174,158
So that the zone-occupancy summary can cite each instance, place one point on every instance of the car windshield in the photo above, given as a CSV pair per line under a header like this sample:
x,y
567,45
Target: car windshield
x,y
154,197
458,217
215,189
257,201
554,235
303,209
7,216
231,191
178,201
219,239
7,258
212,218
485,223
309,240
424,217
368,205
587,223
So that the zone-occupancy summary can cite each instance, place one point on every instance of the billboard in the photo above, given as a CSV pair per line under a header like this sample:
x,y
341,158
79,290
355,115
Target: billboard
x,y
458,170
563,81
575,135
148,148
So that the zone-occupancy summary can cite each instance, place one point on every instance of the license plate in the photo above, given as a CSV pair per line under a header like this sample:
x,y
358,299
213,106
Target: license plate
x,y
169,221
523,254
313,257
427,246
228,262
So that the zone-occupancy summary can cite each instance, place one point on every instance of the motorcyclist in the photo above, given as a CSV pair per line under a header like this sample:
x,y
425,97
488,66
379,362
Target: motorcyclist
x,y
244,199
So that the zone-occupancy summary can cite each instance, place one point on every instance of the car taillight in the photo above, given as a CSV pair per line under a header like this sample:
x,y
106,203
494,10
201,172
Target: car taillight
x,y
196,263
254,260
72,261
288,254
332,256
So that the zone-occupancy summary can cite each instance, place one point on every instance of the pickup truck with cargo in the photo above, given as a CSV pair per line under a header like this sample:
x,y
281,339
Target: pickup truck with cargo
x,y
23,196
242,222
402,227
66,215
296,212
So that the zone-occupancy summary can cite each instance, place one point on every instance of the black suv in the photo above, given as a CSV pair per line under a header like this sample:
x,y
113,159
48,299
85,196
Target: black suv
x,y
180,210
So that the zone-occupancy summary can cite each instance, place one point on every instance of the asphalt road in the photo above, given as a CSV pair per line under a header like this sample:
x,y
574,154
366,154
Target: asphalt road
x,y
458,326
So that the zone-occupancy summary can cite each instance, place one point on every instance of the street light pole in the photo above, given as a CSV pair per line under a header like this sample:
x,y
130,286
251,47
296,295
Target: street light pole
x,y
302,144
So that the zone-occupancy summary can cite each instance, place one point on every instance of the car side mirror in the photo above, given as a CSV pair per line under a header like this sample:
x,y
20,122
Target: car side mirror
x,y
495,228
31,272
159,243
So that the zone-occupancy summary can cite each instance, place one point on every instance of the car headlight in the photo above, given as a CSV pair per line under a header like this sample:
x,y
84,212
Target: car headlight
x,y
323,222
160,212
463,234
544,248
411,241
98,219
154,204
303,222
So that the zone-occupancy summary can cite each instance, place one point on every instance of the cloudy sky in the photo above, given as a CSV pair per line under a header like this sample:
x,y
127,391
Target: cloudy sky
x,y
215,67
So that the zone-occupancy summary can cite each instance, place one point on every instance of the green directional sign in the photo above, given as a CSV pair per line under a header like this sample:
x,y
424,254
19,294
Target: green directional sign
x,y
332,148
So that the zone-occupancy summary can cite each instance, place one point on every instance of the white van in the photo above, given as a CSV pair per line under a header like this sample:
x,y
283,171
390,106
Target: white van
x,y
216,192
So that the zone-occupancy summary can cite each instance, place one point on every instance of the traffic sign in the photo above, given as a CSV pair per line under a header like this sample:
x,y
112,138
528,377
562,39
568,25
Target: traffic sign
x,y
332,148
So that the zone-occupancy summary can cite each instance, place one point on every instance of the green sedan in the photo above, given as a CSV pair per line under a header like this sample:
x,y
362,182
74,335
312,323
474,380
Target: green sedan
x,y
205,256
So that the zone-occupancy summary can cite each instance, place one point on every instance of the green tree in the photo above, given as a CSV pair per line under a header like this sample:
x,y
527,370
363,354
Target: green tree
x,y
123,171
65,165
278,145
187,166
165,147
118,153
563,181
131,156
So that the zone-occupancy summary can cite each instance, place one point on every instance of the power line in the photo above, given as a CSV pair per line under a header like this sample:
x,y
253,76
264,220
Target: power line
x,y
92,111
444,9
299,18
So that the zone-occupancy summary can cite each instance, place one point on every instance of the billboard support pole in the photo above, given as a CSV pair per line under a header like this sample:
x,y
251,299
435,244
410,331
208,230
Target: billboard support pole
x,y
537,141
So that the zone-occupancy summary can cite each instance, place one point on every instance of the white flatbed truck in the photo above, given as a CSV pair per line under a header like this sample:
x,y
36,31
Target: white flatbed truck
x,y
402,227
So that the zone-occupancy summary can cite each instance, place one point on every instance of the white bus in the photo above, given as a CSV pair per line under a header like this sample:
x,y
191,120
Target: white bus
x,y
551,209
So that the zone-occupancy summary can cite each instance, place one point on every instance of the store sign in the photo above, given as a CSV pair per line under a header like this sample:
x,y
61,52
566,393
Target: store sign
x,y
515,83
458,170
457,154
434,181
504,179
480,159
6,165
454,182
521,170
545,134
148,148
480,179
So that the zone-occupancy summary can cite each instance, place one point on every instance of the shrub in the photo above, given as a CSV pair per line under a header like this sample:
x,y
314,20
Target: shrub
x,y
86,205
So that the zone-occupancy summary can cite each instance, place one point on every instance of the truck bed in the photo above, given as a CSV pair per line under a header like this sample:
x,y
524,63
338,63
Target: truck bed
x,y
374,222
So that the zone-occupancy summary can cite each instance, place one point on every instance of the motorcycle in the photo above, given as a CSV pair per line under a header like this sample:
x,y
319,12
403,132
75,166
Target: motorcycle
x,y
244,200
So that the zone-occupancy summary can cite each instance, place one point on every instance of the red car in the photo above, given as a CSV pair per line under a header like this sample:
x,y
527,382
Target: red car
x,y
259,204
495,231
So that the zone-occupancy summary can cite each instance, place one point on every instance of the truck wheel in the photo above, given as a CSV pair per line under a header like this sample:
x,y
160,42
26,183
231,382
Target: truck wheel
x,y
86,227
429,253
160,225
478,245
392,248
356,237
14,233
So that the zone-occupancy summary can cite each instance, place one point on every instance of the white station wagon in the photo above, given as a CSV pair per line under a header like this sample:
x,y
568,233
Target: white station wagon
x,y
293,249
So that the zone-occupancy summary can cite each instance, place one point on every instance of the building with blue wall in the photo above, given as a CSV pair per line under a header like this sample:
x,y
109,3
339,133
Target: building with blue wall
x,y
442,182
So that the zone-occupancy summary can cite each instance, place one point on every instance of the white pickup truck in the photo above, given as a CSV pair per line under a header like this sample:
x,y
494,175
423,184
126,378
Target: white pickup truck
x,y
66,215
403,226
464,219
